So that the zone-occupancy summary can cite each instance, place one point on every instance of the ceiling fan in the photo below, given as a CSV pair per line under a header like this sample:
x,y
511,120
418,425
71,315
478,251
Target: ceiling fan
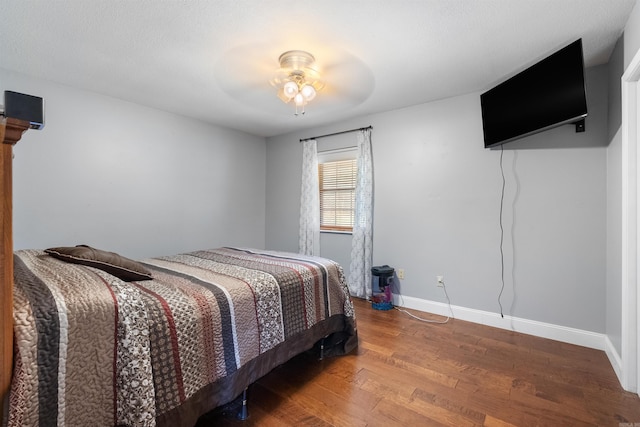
x,y
256,75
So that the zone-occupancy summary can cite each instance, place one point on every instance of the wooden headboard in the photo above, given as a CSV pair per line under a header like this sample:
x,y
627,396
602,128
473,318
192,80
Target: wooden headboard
x,y
11,131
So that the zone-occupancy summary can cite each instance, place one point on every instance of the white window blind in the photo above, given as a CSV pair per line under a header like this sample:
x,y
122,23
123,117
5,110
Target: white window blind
x,y
337,180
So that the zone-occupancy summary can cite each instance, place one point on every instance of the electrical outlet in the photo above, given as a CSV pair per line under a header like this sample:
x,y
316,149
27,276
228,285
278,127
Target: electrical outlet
x,y
440,281
400,273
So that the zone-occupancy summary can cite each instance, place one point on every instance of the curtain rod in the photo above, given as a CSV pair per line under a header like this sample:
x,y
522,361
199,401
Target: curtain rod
x,y
336,133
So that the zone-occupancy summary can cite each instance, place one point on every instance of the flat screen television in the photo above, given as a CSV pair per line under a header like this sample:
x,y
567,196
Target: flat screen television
x,y
550,93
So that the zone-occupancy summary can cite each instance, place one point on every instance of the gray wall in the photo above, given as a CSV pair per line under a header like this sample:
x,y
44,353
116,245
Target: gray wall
x,y
616,69
131,179
632,35
614,200
437,195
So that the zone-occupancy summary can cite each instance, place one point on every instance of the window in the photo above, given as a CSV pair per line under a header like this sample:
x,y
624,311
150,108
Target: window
x,y
337,180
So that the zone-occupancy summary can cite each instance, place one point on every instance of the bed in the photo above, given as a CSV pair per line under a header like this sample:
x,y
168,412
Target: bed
x,y
96,345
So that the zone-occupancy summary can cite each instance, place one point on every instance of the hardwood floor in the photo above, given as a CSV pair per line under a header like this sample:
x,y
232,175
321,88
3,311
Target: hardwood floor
x,y
409,373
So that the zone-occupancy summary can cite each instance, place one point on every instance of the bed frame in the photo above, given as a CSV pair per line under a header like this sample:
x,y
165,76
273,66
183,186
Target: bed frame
x,y
11,131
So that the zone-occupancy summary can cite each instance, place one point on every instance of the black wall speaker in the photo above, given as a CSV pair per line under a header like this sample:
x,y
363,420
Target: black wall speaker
x,y
24,107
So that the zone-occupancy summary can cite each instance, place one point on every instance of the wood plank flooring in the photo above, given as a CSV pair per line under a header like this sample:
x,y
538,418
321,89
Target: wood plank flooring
x,y
409,373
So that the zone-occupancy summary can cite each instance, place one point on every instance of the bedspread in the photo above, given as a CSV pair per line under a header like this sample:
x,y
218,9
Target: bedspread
x,y
91,349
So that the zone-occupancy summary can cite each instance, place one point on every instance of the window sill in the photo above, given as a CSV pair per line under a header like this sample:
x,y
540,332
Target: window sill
x,y
335,232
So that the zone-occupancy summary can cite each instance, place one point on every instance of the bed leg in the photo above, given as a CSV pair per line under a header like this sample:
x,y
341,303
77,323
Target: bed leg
x,y
243,414
322,349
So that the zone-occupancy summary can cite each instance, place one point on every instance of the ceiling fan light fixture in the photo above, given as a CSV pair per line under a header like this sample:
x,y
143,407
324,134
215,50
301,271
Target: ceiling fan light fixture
x,y
297,79
290,89
308,92
299,100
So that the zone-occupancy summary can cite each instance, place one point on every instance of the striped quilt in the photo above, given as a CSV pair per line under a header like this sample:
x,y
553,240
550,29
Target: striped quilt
x,y
91,349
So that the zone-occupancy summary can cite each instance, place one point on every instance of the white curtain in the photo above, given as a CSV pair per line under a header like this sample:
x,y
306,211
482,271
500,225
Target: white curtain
x,y
362,239
309,237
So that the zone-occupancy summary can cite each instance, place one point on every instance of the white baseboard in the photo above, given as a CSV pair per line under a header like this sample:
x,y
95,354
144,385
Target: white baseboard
x,y
614,358
525,326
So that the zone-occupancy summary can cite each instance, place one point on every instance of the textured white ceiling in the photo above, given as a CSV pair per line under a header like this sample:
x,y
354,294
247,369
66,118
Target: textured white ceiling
x,y
212,59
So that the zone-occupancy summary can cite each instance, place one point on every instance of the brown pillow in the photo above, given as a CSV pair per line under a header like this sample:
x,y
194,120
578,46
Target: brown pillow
x,y
119,266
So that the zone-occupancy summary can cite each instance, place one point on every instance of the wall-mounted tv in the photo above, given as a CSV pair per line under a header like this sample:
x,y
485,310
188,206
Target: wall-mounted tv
x,y
550,93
